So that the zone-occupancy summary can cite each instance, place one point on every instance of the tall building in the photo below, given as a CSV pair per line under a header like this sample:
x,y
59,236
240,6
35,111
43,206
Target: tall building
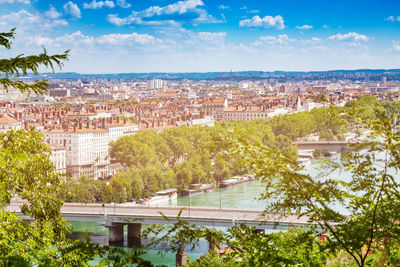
x,y
383,79
156,84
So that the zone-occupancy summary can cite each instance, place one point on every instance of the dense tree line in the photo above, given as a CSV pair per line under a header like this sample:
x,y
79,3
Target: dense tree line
x,y
355,202
178,157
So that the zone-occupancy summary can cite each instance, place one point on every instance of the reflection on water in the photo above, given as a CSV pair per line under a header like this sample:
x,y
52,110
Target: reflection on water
x,y
237,197
155,254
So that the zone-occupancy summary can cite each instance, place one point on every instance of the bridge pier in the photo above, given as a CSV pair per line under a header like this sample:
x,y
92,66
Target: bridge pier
x,y
134,234
115,233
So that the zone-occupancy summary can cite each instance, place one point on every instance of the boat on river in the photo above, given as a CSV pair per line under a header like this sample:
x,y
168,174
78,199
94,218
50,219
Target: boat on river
x,y
161,196
235,180
195,189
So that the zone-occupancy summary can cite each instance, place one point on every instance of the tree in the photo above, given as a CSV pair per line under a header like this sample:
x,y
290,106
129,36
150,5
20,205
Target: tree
x,y
370,196
247,247
21,65
27,172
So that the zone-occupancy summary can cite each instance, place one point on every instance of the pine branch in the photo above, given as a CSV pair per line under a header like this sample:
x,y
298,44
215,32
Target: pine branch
x,y
38,87
20,65
5,38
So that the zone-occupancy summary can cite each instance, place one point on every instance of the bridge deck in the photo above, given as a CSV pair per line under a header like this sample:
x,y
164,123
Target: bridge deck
x,y
152,215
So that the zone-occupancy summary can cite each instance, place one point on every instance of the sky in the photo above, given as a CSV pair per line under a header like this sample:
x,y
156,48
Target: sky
x,y
124,36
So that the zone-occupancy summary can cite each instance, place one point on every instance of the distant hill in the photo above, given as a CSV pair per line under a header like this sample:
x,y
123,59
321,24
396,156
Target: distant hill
x,y
239,75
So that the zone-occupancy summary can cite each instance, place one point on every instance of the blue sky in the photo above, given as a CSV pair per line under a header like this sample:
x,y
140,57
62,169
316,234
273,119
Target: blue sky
x,y
113,36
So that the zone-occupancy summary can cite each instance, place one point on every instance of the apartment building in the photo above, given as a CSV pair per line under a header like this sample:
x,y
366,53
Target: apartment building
x,y
8,123
59,158
215,107
87,147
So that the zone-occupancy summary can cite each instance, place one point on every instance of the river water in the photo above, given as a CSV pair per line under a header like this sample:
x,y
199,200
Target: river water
x,y
240,197
243,196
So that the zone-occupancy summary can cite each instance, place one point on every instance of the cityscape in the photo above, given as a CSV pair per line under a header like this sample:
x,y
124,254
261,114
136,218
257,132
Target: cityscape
x,y
199,133
79,119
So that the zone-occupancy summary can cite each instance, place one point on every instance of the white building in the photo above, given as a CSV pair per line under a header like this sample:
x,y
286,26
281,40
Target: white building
x,y
206,121
87,148
117,130
59,157
156,84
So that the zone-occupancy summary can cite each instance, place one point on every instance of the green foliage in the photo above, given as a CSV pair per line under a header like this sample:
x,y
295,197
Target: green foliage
x,y
370,196
294,247
39,236
20,66
180,156
319,153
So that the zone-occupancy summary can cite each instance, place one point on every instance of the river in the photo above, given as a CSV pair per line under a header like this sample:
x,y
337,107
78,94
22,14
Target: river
x,y
238,197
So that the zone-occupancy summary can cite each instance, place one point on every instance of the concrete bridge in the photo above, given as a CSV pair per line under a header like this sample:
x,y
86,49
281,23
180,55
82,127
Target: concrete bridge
x,y
115,217
338,146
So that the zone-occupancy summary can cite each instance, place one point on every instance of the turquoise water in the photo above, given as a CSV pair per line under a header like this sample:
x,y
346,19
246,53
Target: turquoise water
x,y
238,197
157,255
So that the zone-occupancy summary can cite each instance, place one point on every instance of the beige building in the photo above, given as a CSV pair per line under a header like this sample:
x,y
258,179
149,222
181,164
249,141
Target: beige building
x,y
215,108
8,123
87,148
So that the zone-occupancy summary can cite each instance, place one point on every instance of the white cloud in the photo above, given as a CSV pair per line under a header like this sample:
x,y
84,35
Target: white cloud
x,y
123,4
351,36
393,19
224,7
325,26
28,22
390,18
211,36
72,10
314,40
281,40
304,27
52,13
116,39
98,4
266,22
81,41
26,2
396,45
133,20
254,11
166,15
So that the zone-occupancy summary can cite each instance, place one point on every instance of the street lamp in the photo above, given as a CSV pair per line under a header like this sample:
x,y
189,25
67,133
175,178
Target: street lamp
x,y
189,200
220,199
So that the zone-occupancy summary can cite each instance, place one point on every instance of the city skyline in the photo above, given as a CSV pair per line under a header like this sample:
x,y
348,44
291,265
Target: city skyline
x,y
199,36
